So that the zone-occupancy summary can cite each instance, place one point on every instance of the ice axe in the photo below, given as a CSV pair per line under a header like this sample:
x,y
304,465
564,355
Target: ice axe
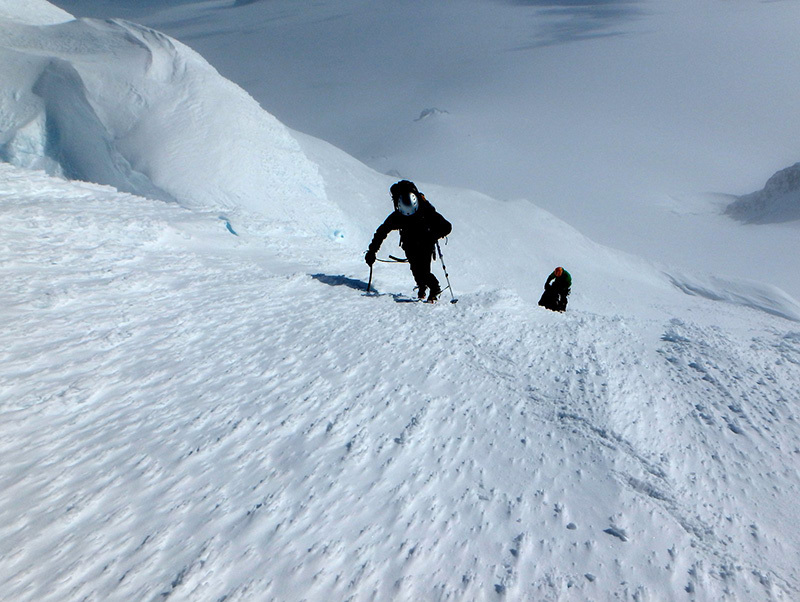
x,y
446,277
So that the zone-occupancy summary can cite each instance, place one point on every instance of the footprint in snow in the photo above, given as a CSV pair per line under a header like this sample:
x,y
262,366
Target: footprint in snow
x,y
617,532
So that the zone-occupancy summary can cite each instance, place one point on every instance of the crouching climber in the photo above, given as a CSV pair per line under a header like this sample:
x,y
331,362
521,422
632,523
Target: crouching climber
x,y
556,290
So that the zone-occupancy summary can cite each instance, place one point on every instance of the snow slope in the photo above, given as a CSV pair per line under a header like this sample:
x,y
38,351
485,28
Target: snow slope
x,y
197,415
203,405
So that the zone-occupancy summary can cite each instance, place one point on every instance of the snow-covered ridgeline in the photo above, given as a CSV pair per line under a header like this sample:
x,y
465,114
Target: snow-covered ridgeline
x,y
119,104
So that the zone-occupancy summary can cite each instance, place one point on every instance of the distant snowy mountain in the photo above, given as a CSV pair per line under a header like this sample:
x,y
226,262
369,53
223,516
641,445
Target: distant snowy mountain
x,y
199,402
778,201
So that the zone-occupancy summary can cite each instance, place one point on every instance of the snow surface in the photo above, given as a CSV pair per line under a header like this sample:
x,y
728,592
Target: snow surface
x,y
199,402
193,414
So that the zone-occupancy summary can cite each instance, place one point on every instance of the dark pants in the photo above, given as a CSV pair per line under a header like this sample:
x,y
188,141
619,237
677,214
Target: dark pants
x,y
420,262
555,299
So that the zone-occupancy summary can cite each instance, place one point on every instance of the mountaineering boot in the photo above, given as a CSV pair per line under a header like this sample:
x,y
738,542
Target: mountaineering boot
x,y
421,293
433,296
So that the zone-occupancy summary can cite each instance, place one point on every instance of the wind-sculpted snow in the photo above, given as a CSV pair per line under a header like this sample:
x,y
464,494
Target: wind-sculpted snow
x,y
194,415
119,104
769,299
74,139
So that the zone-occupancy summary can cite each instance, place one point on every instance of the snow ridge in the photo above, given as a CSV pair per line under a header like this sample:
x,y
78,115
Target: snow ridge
x,y
156,121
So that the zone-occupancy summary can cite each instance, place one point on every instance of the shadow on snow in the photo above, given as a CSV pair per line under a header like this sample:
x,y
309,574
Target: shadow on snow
x,y
341,280
360,285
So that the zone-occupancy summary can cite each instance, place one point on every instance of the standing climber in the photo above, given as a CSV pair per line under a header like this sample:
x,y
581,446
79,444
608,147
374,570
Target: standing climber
x,y
556,290
420,227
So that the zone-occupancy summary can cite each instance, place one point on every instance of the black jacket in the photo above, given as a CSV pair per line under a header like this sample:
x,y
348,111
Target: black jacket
x,y
418,232
559,283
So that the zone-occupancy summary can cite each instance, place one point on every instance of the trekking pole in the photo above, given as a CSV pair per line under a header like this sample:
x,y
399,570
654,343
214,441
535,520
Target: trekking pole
x,y
446,277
